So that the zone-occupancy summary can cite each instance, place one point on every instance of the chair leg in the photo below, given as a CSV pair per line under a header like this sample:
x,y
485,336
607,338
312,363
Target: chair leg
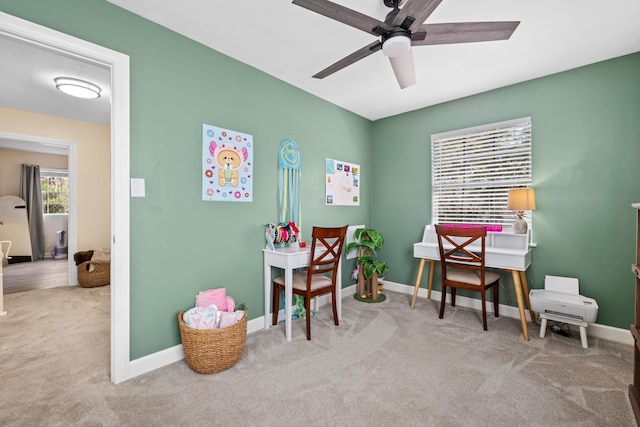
x,y
307,306
496,299
453,297
335,308
443,298
275,305
484,310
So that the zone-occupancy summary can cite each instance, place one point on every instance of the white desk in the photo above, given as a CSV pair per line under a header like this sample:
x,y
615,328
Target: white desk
x,y
506,251
289,259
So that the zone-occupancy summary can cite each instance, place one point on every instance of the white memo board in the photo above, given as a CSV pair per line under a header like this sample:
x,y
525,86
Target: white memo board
x,y
351,238
342,183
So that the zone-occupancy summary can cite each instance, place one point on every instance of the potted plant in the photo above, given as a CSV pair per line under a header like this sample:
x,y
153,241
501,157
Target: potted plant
x,y
368,242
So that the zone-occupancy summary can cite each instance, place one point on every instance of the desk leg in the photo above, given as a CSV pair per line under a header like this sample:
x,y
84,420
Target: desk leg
x,y
518,289
267,295
432,264
417,285
525,289
288,307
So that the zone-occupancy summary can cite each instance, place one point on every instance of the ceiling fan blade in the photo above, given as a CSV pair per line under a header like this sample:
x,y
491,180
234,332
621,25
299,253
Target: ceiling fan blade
x,y
419,10
466,32
345,15
404,69
350,59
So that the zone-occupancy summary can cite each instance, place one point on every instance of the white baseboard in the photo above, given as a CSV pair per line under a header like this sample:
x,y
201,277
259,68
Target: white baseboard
x,y
595,330
155,361
175,354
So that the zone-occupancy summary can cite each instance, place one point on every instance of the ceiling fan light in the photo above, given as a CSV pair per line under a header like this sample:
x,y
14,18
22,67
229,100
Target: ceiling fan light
x,y
396,46
78,88
404,69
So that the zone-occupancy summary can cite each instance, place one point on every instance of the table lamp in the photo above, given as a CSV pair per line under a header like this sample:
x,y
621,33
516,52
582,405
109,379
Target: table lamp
x,y
520,200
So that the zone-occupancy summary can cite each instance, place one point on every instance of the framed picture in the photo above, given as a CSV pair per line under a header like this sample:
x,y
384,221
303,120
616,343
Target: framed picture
x,y
227,165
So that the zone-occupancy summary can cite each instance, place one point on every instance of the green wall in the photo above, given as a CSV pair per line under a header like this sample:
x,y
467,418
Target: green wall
x,y
179,243
586,147
585,132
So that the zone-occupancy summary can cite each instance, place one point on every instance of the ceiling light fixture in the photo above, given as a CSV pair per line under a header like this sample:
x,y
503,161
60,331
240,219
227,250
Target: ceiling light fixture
x,y
78,88
397,46
397,43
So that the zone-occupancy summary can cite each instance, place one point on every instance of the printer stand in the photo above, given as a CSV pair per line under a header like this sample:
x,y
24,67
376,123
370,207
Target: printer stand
x,y
583,326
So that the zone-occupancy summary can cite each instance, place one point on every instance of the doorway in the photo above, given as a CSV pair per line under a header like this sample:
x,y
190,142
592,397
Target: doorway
x,y
118,63
35,144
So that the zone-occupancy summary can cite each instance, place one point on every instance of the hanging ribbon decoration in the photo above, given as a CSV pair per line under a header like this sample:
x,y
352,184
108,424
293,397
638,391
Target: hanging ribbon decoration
x,y
289,169
287,230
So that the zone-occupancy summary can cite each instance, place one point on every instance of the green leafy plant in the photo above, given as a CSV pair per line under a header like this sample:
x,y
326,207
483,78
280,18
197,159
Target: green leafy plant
x,y
369,241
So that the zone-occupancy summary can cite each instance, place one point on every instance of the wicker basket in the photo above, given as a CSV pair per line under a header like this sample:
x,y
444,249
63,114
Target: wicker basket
x,y
208,351
92,274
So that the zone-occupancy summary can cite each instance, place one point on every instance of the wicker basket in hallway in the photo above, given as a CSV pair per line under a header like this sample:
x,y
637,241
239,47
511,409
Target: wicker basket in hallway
x,y
91,274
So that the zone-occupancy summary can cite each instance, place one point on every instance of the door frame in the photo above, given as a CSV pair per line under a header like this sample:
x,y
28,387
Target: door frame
x,y
118,63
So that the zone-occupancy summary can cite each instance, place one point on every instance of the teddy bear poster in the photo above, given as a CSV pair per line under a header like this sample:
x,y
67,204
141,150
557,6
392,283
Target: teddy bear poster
x,y
227,165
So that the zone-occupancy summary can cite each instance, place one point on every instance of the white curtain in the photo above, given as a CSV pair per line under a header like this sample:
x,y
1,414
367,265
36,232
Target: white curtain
x,y
31,192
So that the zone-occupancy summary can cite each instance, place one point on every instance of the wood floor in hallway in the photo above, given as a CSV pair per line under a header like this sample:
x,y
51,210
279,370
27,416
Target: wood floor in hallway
x,y
41,274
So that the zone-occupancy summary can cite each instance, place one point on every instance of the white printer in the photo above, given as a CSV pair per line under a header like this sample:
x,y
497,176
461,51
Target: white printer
x,y
560,301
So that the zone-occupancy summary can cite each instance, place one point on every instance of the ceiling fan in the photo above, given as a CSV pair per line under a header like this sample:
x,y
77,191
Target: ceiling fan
x,y
403,28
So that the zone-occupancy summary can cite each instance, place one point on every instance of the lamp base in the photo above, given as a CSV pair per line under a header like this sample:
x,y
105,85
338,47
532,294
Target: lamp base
x,y
520,226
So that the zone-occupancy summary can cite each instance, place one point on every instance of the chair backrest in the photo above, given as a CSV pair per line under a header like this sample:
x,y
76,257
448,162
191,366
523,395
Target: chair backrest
x,y
326,249
454,245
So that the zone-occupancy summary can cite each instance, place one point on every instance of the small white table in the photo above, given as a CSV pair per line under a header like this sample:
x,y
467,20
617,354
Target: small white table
x,y
288,259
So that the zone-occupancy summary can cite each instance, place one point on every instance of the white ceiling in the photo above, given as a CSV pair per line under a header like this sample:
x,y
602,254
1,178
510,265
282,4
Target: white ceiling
x,y
292,43
26,82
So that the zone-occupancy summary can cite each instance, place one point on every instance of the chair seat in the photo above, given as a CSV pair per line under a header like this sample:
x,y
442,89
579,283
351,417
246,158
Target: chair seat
x,y
471,277
300,281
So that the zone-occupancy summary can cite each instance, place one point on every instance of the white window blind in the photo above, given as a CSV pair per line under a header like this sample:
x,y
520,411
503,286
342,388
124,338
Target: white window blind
x,y
473,169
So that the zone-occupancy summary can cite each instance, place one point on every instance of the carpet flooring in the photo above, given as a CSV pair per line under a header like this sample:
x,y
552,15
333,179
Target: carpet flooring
x,y
385,365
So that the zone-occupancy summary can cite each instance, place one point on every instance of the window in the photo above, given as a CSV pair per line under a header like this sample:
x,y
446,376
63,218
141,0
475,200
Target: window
x,y
55,191
473,169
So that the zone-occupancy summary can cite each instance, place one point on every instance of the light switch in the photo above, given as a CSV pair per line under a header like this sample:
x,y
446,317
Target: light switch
x,y
137,187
